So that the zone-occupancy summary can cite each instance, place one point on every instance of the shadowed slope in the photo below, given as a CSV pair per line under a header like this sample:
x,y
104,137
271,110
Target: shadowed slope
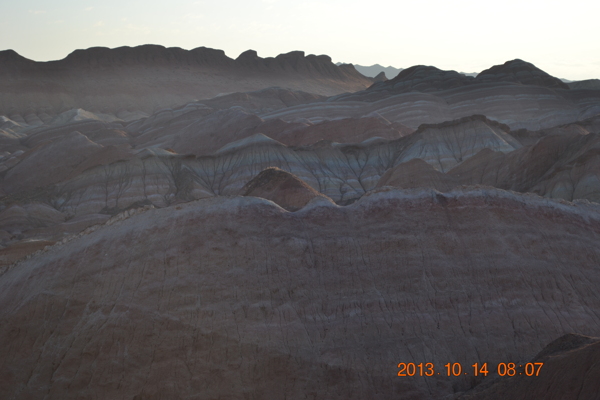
x,y
234,297
570,372
563,166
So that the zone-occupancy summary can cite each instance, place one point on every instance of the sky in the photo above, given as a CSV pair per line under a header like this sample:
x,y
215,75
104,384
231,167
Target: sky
x,y
562,38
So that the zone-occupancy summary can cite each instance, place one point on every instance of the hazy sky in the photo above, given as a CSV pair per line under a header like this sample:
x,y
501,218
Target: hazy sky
x,y
562,38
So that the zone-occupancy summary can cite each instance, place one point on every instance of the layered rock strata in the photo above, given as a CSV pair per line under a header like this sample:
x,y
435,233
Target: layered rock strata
x,y
474,150
517,94
235,297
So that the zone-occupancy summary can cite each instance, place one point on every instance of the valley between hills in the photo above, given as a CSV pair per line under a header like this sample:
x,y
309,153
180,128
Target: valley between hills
x,y
180,224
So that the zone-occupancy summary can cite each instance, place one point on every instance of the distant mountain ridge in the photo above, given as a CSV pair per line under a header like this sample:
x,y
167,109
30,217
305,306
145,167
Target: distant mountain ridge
x,y
156,55
390,72
424,78
515,93
128,83
151,77
375,69
588,84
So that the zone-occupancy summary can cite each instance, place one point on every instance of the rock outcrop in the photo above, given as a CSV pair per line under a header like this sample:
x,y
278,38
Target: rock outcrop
x,y
450,143
282,188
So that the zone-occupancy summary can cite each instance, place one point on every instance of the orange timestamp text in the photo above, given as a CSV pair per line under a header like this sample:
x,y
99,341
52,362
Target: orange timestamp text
x,y
456,369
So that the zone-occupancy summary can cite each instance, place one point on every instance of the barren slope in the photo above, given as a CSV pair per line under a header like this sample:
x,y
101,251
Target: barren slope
x,y
234,297
562,162
321,278
570,372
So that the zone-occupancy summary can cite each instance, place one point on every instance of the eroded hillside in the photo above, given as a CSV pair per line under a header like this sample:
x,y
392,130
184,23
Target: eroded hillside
x,y
273,242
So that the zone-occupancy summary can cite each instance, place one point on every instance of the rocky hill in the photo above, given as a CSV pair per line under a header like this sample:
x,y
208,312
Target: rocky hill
x,y
281,242
147,78
234,296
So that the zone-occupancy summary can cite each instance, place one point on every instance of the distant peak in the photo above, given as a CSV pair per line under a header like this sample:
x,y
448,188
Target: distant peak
x,y
11,56
380,77
517,63
417,70
248,55
523,72
10,53
153,55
